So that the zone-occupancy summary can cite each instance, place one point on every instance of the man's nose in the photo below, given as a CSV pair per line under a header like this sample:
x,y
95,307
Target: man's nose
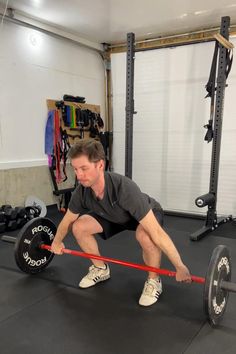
x,y
79,174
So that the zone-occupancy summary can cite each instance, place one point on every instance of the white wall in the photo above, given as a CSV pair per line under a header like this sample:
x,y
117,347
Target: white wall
x,y
171,161
33,67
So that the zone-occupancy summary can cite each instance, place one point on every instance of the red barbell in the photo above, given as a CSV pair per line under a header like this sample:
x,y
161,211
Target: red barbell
x,y
33,254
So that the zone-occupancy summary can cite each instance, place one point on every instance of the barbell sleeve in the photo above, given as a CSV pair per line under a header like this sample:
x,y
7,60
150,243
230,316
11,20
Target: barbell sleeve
x,y
227,285
166,272
9,239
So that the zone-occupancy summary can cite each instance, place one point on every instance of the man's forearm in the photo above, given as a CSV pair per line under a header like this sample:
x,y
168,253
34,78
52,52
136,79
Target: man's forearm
x,y
165,243
62,231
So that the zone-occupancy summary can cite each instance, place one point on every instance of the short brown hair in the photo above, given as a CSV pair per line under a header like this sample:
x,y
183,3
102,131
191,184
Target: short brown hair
x,y
91,148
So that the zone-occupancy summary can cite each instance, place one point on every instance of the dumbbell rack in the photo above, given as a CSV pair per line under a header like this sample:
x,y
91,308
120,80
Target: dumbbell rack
x,y
14,218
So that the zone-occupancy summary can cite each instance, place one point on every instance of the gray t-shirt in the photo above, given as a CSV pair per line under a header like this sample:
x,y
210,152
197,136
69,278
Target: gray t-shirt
x,y
122,200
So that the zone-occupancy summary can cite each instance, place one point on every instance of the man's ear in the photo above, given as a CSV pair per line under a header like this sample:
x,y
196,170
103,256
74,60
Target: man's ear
x,y
101,164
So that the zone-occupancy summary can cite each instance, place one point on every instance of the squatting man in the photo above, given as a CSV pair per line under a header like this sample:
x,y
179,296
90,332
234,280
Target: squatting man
x,y
106,203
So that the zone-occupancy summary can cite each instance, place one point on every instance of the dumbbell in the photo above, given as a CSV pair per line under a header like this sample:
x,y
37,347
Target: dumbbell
x,y
8,217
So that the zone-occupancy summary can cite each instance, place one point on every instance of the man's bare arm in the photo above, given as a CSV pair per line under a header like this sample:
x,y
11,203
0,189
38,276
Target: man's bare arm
x,y
62,231
164,242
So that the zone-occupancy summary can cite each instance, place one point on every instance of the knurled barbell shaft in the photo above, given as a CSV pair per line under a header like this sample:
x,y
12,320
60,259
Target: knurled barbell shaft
x,y
166,272
227,285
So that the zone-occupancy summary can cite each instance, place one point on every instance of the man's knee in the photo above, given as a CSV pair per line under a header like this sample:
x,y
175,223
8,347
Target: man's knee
x,y
141,234
85,225
79,227
145,240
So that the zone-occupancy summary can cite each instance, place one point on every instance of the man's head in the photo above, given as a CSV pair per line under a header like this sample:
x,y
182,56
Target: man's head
x,y
88,160
90,148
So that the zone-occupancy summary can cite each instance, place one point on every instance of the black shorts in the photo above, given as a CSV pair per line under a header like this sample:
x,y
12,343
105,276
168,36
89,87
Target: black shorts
x,y
110,228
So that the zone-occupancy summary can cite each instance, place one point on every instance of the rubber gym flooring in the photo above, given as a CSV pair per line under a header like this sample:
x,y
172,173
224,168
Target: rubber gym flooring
x,y
48,313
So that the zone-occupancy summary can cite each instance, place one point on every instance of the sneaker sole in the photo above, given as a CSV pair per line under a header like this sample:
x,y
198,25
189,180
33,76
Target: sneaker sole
x,y
147,305
96,282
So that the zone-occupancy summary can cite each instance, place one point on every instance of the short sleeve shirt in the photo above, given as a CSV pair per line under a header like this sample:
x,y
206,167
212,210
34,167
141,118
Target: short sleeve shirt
x,y
122,200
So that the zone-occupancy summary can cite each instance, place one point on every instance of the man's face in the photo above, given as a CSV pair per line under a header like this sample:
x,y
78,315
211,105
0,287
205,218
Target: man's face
x,y
87,173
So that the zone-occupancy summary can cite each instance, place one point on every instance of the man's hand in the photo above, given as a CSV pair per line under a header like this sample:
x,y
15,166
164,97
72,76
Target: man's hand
x,y
56,247
183,274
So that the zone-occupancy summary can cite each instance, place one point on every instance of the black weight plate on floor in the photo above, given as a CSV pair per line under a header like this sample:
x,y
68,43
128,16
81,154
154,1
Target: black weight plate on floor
x,y
215,298
29,257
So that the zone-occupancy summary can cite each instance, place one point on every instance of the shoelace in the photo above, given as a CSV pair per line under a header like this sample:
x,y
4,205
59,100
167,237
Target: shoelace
x,y
93,272
149,288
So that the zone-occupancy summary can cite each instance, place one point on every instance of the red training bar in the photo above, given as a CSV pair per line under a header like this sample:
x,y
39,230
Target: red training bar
x,y
167,272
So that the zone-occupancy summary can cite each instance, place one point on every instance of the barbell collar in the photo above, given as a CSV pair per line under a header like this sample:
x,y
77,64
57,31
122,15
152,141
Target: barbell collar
x,y
229,286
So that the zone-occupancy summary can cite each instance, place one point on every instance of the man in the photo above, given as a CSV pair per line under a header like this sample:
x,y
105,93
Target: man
x,y
106,203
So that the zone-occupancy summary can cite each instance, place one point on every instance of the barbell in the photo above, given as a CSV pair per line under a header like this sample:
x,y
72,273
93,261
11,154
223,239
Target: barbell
x,y
32,255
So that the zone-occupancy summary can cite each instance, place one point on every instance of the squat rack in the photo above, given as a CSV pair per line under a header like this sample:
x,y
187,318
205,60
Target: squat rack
x,y
129,104
209,199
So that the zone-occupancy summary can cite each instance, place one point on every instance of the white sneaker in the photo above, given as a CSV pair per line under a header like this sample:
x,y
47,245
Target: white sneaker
x,y
94,276
151,292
